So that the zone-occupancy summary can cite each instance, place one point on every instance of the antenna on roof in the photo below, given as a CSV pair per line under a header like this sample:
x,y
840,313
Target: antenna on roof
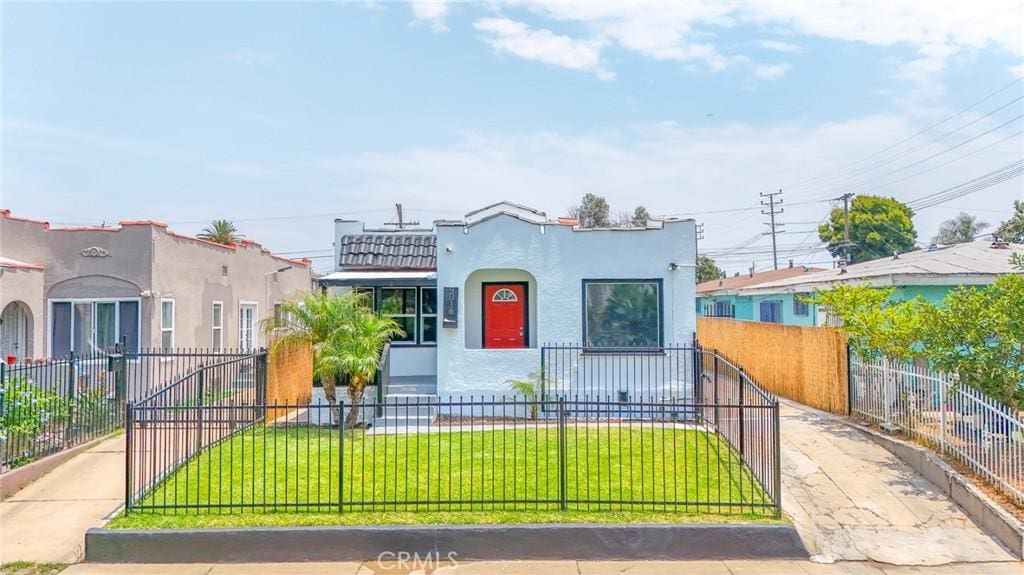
x,y
401,224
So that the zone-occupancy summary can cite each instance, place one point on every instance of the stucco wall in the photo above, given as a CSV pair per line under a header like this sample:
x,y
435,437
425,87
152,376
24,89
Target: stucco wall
x,y
144,260
558,258
194,275
25,286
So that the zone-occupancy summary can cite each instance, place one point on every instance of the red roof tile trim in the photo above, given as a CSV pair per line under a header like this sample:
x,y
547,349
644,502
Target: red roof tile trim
x,y
245,243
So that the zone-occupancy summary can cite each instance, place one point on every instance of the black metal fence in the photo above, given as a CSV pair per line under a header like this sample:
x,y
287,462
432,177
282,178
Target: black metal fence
x,y
714,450
664,374
48,406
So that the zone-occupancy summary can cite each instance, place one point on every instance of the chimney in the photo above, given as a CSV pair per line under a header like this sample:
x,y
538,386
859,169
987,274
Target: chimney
x,y
895,255
344,228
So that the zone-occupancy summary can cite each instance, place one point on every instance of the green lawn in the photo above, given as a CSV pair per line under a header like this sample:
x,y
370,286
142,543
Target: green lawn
x,y
272,476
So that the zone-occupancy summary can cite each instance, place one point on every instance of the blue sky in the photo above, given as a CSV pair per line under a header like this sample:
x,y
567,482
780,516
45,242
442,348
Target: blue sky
x,y
283,116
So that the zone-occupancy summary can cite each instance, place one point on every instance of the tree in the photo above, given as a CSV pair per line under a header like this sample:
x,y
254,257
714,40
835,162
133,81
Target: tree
x,y
531,388
1012,230
878,227
355,350
346,335
959,230
707,270
875,325
593,212
640,217
977,334
221,232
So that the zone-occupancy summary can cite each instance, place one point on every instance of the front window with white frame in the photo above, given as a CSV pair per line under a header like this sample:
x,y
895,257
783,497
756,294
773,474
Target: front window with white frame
x,y
167,323
218,326
88,326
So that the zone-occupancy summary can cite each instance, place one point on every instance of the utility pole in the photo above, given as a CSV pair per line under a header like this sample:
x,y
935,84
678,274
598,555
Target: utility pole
x,y
771,202
846,224
401,223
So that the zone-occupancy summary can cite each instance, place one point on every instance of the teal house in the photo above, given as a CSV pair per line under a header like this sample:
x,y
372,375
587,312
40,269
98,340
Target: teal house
x,y
931,273
727,297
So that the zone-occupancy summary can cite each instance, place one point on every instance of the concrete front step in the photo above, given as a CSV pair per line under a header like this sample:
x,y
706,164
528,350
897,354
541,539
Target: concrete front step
x,y
425,389
407,410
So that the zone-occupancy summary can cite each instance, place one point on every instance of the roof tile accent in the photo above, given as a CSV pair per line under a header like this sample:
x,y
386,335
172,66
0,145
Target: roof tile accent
x,y
389,251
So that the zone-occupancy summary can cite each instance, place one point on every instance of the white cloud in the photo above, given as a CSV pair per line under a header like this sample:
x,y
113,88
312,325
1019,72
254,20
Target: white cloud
x,y
771,71
779,46
249,57
432,13
513,37
665,166
686,31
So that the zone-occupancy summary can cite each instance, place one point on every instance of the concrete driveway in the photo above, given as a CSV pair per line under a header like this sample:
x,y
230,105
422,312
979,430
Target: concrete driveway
x,y
852,500
46,521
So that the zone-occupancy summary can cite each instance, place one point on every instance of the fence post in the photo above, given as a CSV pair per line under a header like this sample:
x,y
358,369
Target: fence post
x,y
743,376
942,413
128,456
261,377
563,491
717,408
69,431
777,460
886,397
201,383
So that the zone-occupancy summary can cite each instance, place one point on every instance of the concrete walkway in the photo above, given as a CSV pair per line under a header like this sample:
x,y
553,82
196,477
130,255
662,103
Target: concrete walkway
x,y
852,500
46,521
549,568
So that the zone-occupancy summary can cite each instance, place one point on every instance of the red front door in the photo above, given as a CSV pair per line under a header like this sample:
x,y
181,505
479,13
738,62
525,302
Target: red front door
x,y
504,315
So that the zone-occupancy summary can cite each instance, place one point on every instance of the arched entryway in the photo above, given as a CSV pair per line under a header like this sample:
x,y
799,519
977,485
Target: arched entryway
x,y
16,331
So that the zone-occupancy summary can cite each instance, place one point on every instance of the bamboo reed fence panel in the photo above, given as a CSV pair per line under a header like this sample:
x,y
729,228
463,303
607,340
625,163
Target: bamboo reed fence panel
x,y
805,364
289,377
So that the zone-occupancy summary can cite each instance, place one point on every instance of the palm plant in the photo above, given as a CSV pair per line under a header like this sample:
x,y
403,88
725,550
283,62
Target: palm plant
x,y
532,388
346,335
355,350
221,232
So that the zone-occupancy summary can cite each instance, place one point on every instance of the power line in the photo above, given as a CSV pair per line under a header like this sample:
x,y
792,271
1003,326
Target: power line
x,y
905,153
1007,172
858,184
924,130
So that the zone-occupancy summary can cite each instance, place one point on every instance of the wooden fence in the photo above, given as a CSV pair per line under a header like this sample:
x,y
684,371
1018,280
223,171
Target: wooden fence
x,y
805,364
289,377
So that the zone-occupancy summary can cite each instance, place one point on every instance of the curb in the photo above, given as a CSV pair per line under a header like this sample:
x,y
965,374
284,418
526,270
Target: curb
x,y
986,513
19,478
466,542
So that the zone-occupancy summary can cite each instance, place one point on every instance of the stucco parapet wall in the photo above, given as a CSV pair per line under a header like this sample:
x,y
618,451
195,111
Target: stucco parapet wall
x,y
651,225
155,226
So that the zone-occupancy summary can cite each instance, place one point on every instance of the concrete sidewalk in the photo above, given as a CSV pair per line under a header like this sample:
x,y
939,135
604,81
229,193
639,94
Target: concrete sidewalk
x,y
852,500
550,568
46,521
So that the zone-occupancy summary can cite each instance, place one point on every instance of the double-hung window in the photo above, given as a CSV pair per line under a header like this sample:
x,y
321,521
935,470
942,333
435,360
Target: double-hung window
x,y
622,313
218,326
89,326
400,305
800,307
167,323
771,311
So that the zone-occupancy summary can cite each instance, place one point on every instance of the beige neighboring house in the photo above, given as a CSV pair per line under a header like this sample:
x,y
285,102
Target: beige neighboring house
x,y
21,308
86,288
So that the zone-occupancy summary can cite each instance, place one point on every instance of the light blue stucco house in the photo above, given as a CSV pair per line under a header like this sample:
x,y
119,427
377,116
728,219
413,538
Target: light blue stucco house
x,y
479,297
725,298
930,273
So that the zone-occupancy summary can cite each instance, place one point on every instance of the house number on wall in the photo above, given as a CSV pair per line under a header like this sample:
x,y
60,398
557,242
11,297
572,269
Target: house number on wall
x,y
451,307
